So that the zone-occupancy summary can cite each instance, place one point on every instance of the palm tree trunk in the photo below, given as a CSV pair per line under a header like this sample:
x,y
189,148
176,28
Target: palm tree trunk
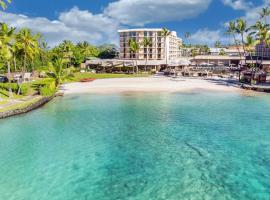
x,y
146,59
24,64
137,69
23,73
15,63
9,81
239,72
166,51
243,44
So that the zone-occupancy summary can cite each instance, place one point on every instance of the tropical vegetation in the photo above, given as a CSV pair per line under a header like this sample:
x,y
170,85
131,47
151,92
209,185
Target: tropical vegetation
x,y
23,51
248,36
3,3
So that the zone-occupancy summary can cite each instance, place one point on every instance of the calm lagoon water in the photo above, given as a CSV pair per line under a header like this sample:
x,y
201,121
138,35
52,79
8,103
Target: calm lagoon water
x,y
139,147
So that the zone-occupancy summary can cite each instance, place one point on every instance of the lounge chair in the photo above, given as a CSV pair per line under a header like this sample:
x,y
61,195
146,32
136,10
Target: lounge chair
x,y
27,77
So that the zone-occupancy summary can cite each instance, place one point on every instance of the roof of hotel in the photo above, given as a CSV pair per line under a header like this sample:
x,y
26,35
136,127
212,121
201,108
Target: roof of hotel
x,y
140,29
214,57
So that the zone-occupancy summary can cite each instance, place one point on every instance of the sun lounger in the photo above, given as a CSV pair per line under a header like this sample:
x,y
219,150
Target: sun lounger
x,y
27,77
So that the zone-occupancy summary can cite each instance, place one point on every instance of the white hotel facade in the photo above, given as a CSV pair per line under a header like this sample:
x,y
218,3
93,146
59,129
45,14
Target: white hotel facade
x,y
157,51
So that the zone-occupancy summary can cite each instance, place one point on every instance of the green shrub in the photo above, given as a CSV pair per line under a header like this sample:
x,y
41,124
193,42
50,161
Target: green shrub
x,y
5,86
15,88
24,89
48,89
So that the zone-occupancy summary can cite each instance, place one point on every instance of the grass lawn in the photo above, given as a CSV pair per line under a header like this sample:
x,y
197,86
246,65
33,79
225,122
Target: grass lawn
x,y
78,76
3,102
20,105
4,96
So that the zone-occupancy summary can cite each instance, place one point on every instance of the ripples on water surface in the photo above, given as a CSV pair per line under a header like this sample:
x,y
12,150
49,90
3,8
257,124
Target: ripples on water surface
x,y
139,147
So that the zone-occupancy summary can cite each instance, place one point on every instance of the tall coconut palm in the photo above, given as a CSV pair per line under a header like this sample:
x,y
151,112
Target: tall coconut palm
x,y
264,13
3,3
147,42
218,44
67,50
6,38
241,29
166,33
232,30
27,45
250,44
43,46
14,54
134,49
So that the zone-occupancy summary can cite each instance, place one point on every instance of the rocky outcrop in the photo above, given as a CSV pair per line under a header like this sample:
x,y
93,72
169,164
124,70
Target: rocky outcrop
x,y
28,108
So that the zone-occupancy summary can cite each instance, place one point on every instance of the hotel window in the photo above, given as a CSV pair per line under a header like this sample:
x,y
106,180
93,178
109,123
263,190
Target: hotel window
x,y
132,34
145,34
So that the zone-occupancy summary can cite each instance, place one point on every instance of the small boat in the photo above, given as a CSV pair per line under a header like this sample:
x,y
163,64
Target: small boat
x,y
85,80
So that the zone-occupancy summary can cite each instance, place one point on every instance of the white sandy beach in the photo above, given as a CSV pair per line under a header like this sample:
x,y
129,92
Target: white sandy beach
x,y
148,84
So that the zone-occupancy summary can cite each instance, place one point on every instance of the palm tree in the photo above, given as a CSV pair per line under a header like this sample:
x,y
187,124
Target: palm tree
x,y
241,29
27,45
147,42
3,3
87,50
6,38
232,30
217,44
14,54
261,32
57,71
166,33
43,46
265,12
134,49
67,50
250,43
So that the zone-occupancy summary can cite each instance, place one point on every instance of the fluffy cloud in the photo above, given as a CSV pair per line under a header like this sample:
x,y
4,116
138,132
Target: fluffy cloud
x,y
141,12
75,25
238,4
209,37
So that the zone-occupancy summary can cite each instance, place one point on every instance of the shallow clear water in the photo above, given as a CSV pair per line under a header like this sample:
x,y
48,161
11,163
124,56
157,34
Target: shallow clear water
x,y
139,147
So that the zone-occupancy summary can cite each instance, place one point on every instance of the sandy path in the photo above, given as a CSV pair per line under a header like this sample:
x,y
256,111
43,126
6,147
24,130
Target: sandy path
x,y
149,84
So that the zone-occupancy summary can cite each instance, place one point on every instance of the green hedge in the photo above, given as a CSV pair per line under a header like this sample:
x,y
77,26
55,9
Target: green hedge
x,y
15,88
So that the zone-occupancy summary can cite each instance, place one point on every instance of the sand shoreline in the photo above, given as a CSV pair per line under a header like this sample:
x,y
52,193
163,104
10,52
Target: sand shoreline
x,y
149,85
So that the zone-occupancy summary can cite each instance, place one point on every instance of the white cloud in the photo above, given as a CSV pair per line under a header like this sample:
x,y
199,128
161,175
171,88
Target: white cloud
x,y
209,37
141,12
252,14
238,4
75,25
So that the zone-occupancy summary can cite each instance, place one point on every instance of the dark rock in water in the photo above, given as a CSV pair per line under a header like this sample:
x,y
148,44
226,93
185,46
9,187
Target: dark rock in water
x,y
195,149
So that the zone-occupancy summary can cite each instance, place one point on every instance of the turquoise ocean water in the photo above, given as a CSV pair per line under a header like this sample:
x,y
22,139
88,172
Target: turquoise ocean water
x,y
139,147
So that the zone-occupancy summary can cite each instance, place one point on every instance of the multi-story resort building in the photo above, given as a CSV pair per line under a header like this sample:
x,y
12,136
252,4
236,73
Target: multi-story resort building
x,y
159,49
263,51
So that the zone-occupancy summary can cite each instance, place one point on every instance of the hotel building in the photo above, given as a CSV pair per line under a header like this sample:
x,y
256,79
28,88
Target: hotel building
x,y
158,50
263,51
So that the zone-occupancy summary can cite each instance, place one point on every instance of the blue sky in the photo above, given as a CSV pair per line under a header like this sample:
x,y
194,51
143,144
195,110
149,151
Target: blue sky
x,y
97,21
